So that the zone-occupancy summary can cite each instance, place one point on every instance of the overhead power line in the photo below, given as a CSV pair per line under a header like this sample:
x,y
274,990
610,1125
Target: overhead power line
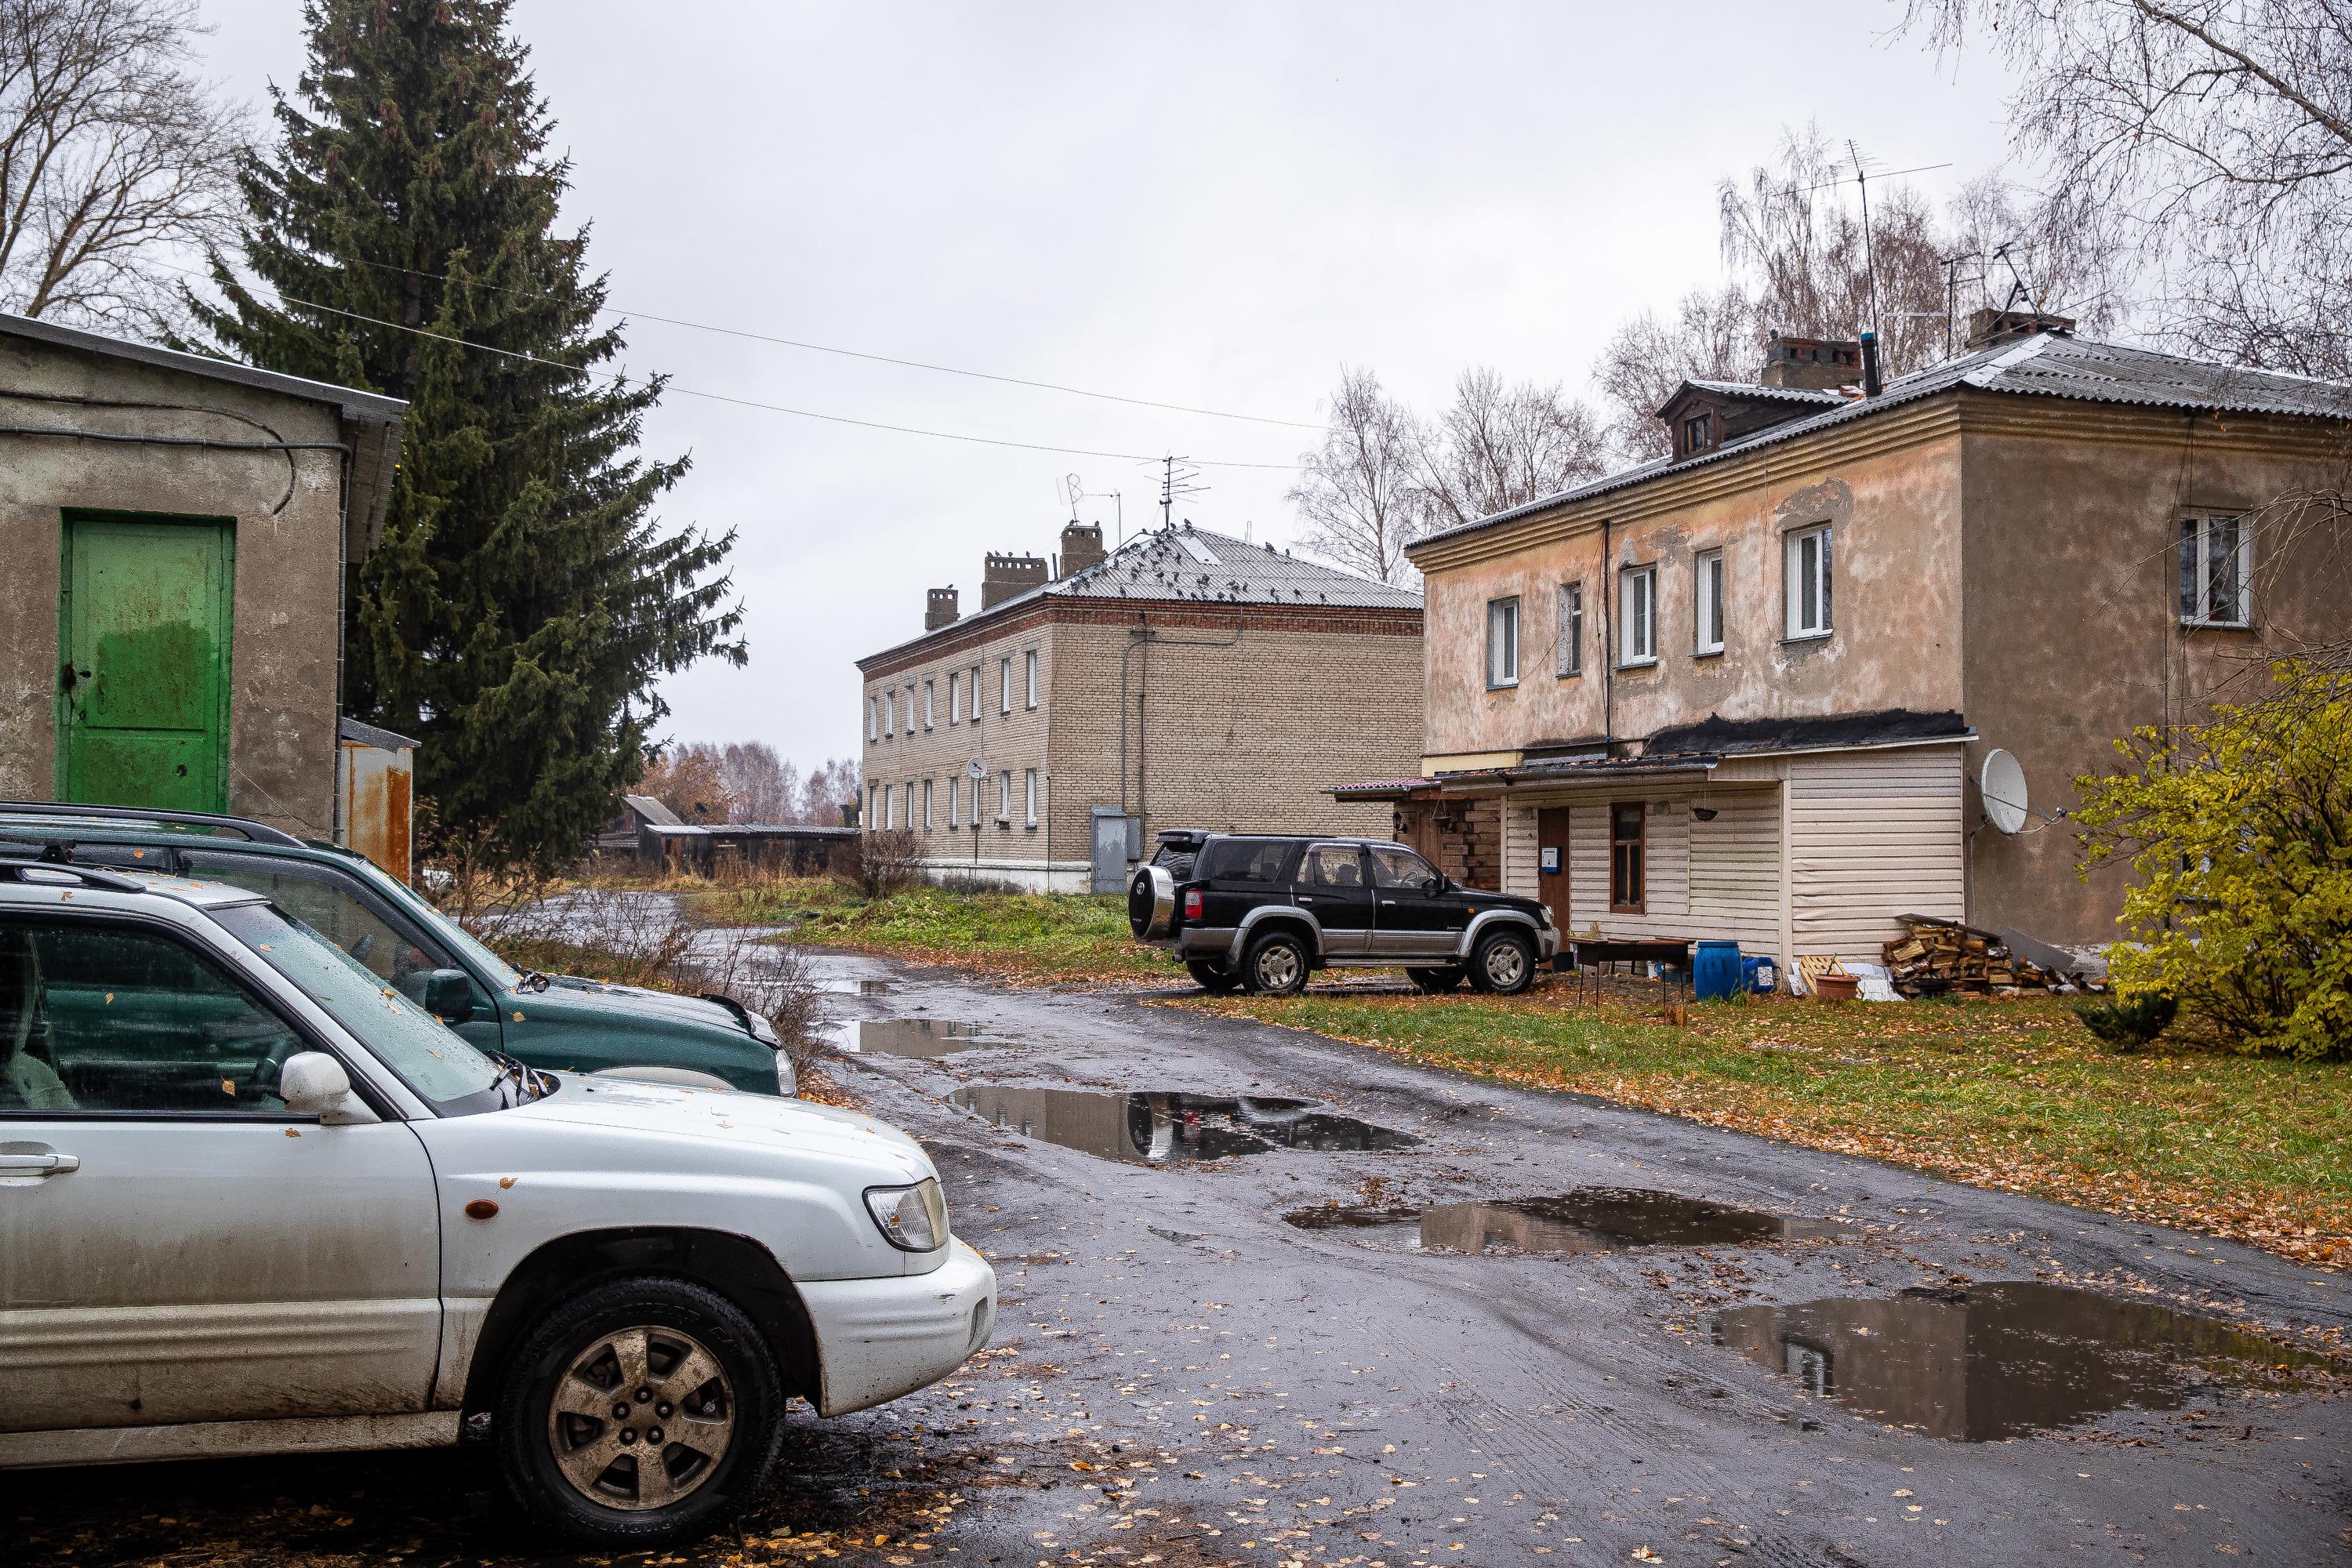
x,y
856,353
753,403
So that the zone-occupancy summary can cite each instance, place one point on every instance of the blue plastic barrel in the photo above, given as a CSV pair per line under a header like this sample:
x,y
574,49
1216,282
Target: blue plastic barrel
x,y
1714,970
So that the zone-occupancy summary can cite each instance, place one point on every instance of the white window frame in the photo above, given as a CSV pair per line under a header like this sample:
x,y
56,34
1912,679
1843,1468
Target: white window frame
x,y
975,802
889,712
1005,793
2204,546
1029,795
1029,674
1812,610
1637,616
955,699
930,692
1004,684
927,805
1567,630
873,717
1708,607
955,806
1503,642
975,702
889,806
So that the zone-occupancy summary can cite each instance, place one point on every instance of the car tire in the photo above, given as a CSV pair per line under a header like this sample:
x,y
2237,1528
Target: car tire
x,y
1214,978
1436,982
1504,964
558,1443
1275,965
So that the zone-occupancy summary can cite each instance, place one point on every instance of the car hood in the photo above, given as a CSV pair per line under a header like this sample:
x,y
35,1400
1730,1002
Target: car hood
x,y
1487,896
664,1003
727,1116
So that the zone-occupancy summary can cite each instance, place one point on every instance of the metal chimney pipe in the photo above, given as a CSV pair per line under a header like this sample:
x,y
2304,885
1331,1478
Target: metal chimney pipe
x,y
1871,385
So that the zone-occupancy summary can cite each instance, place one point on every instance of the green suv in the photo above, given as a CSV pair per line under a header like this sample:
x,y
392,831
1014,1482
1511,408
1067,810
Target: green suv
x,y
557,1022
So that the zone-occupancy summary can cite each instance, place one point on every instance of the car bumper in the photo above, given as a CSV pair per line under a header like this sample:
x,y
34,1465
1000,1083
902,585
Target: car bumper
x,y
1547,938
879,1339
1212,943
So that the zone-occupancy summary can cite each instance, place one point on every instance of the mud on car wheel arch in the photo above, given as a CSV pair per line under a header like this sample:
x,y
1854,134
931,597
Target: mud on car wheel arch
x,y
638,1412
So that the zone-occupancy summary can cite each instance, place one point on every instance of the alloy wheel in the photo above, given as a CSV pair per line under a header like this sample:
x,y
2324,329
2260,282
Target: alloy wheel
x,y
1506,964
640,1418
1276,967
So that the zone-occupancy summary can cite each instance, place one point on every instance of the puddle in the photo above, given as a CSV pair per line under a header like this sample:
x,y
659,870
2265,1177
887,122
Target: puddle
x,y
2000,1361
1171,1128
922,1038
1591,1219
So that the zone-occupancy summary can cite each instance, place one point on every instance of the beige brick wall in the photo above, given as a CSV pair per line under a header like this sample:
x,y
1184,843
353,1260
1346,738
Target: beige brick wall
x,y
1242,736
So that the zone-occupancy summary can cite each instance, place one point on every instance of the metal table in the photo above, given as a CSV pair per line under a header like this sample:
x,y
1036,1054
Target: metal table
x,y
1597,957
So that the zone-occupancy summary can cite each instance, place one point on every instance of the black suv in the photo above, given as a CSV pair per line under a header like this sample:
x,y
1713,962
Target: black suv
x,y
1260,911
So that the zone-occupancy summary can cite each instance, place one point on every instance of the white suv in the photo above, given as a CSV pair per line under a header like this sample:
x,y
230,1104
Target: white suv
x,y
252,1199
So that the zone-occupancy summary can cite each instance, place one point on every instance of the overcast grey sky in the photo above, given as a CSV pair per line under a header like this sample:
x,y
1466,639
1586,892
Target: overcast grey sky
x,y
1209,205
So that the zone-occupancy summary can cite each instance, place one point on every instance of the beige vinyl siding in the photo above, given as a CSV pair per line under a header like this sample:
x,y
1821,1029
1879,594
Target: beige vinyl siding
x,y
1873,835
1735,870
1522,869
1666,847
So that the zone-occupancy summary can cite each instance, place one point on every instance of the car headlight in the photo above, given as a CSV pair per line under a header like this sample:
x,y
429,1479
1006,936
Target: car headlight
x,y
788,1082
913,1219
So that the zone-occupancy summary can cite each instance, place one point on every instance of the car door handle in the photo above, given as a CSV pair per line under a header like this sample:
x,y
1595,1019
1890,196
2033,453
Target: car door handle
x,y
1388,900
1305,898
37,1164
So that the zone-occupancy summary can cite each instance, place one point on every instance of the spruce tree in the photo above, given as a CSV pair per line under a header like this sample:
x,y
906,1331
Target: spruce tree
x,y
524,599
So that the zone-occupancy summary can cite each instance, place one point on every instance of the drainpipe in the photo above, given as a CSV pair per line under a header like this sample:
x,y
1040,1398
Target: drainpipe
x,y
1608,649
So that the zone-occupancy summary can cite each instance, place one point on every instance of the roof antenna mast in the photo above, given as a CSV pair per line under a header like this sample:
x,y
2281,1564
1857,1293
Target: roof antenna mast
x,y
1869,251
1177,479
1078,493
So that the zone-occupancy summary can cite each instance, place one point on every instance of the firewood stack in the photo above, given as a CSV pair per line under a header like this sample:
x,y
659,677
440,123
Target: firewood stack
x,y
1938,956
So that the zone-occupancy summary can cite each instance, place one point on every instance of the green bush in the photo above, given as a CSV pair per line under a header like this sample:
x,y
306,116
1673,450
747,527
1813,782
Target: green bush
x,y
2128,1027
2239,830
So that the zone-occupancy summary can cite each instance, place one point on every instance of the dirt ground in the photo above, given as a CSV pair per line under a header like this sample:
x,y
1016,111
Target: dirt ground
x,y
1812,1359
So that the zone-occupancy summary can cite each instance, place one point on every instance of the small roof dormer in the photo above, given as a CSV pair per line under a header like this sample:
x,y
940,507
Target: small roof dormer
x,y
1705,414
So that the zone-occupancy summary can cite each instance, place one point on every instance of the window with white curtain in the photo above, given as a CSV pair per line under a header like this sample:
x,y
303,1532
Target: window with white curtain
x,y
927,805
1807,571
873,719
1637,615
1004,792
955,684
1029,668
1569,629
1708,615
1503,642
928,686
2216,572
1004,684
1029,790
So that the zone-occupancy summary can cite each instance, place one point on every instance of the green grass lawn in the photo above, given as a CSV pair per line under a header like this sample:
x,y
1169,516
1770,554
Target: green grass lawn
x,y
2011,1094
1025,938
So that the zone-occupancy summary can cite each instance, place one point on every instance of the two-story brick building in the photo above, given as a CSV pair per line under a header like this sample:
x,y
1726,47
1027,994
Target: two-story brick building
x,y
1745,692
1185,680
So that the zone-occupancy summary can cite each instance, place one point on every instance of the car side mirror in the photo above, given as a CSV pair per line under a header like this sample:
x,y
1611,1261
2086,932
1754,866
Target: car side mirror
x,y
1433,885
313,1083
446,994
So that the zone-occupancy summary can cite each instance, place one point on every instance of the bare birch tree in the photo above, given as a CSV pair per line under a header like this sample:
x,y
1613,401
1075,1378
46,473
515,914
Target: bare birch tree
x,y
2220,132
113,153
1498,447
1360,496
761,785
1713,337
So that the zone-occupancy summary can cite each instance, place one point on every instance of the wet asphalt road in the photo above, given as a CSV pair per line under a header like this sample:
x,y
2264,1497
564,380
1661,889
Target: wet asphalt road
x,y
1340,1396
1179,1377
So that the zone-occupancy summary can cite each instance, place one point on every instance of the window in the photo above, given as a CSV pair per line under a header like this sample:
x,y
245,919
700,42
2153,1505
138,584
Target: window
x,y
1808,582
1004,792
1637,615
1244,860
1625,868
1696,432
910,721
1710,602
1332,866
1029,675
1029,793
352,917
889,806
1570,629
955,684
1004,684
873,719
975,694
976,803
1502,643
927,704
889,713
1395,868
955,799
2216,560
927,805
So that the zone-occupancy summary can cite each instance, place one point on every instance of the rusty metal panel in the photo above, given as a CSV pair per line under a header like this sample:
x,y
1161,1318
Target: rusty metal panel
x,y
378,818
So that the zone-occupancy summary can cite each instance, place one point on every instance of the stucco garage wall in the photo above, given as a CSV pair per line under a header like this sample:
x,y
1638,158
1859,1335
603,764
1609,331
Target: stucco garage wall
x,y
287,595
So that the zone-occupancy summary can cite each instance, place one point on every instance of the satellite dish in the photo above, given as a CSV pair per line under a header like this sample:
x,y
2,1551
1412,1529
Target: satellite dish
x,y
979,769
2002,785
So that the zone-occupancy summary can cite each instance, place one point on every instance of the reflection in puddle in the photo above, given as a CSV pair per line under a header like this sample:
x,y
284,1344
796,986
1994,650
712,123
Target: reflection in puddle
x,y
1591,1219
1997,1361
1167,1129
908,1036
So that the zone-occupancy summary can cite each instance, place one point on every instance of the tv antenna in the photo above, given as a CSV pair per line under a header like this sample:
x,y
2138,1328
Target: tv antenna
x,y
1178,480
1078,493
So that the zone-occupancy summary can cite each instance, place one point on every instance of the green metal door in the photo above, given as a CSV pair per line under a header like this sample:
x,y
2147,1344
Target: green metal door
x,y
144,630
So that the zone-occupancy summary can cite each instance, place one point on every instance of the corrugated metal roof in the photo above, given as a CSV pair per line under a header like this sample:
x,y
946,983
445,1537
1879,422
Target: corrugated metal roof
x,y
2047,365
1193,565
1769,393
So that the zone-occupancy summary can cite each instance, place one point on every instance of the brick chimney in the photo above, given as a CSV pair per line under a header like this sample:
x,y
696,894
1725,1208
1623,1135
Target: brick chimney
x,y
1989,327
1082,547
940,609
1817,364
1002,576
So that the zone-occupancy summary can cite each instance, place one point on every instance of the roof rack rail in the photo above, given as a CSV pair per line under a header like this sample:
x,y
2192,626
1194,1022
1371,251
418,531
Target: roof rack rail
x,y
254,832
14,867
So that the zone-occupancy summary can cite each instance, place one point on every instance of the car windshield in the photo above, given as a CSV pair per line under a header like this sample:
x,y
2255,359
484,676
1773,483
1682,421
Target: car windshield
x,y
443,1070
502,973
